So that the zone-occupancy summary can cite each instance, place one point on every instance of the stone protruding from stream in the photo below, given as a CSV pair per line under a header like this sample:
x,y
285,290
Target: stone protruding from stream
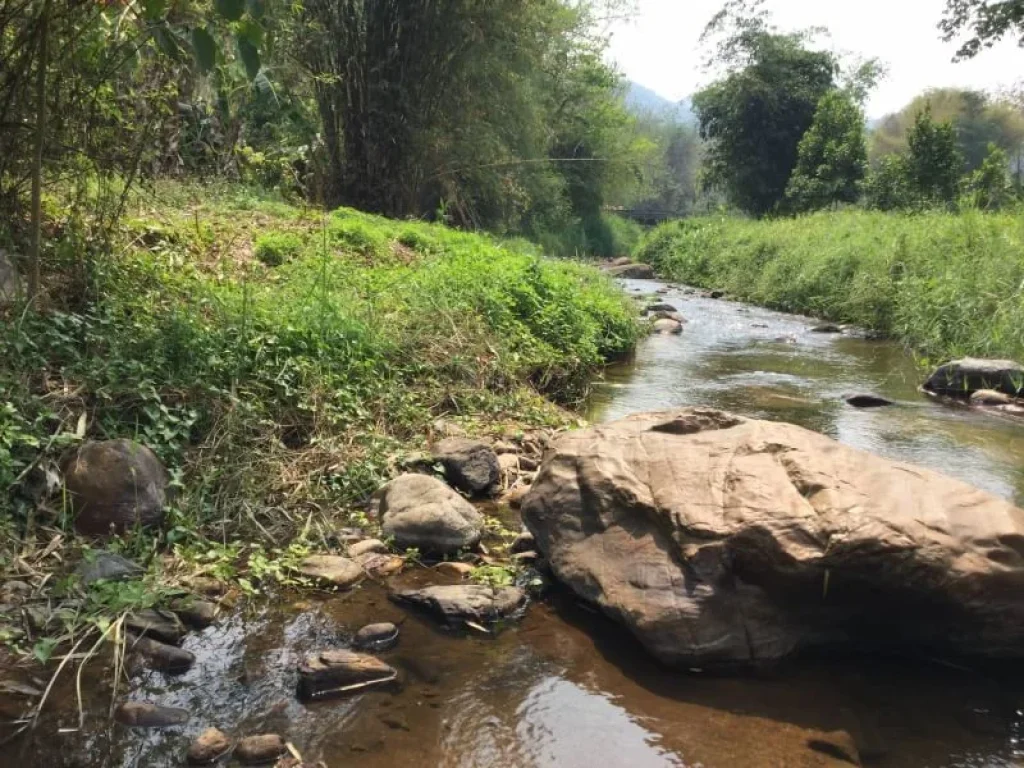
x,y
475,603
340,671
721,539
421,511
962,378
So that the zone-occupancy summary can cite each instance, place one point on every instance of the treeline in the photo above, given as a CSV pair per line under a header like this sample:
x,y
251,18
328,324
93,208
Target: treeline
x,y
785,130
500,115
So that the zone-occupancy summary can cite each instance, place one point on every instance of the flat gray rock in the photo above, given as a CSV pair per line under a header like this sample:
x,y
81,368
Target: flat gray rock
x,y
465,602
422,512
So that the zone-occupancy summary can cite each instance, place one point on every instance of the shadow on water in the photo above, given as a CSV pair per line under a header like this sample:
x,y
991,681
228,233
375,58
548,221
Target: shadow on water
x,y
565,686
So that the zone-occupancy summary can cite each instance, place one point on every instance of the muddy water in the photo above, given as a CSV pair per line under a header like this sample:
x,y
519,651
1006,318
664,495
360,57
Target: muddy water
x,y
564,687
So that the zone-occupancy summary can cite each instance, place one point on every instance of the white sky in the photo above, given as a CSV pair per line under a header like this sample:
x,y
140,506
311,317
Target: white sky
x,y
659,48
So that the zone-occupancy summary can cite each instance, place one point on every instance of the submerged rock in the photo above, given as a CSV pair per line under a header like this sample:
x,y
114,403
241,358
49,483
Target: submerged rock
x,y
160,656
991,397
470,602
962,378
210,747
661,315
334,570
720,539
142,714
197,614
632,271
469,465
328,672
259,749
422,512
115,485
827,328
377,637
661,306
667,327
867,401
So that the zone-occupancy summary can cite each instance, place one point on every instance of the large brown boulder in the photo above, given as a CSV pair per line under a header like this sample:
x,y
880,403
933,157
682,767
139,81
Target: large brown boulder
x,y
719,539
115,485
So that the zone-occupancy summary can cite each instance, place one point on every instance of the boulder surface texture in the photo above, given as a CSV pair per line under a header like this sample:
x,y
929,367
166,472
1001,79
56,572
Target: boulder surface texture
x,y
719,540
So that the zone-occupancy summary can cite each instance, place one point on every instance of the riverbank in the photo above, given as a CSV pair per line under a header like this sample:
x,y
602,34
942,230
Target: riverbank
x,y
948,285
280,362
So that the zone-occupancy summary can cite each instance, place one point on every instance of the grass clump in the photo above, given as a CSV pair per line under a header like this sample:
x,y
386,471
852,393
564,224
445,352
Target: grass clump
x,y
947,284
275,248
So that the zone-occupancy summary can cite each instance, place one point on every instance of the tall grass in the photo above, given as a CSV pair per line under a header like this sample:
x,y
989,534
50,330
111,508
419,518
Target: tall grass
x,y
947,284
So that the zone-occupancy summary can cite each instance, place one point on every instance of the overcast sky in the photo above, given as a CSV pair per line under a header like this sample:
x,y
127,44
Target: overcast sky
x,y
659,48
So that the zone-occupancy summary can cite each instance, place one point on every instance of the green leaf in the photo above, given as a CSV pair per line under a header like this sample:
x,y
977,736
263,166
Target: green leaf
x,y
257,8
154,9
205,48
251,31
43,649
250,57
231,10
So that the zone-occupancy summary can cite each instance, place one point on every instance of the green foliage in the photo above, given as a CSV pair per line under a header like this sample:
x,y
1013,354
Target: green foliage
x,y
755,117
887,186
832,156
934,163
947,284
275,248
989,187
267,389
986,23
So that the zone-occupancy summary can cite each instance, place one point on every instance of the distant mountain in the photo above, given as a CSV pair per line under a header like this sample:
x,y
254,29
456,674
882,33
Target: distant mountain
x,y
643,101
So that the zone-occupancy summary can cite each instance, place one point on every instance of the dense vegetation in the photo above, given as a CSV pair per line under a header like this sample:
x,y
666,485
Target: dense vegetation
x,y
280,359
949,284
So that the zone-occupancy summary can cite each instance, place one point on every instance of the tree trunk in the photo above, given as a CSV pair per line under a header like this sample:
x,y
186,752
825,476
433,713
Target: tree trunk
x,y
37,163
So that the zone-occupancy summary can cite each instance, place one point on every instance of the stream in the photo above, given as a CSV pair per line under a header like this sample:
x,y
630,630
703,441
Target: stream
x,y
565,687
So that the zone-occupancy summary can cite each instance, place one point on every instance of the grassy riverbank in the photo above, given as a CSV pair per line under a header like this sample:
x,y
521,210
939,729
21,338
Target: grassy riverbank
x,y
281,360
946,284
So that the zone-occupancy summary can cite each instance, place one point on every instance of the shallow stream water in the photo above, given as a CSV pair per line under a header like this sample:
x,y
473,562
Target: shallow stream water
x,y
564,687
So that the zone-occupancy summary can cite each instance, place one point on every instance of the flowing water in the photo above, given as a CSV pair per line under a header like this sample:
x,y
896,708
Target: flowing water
x,y
564,687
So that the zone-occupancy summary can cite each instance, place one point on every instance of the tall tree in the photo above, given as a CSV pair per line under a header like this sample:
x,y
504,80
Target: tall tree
x,y
934,162
832,157
753,118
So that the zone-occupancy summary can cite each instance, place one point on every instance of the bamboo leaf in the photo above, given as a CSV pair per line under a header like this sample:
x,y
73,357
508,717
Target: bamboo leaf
x,y
250,55
205,48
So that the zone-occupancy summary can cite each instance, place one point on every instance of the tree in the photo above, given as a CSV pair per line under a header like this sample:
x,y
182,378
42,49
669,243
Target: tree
x,y
934,163
989,187
979,120
985,22
886,187
832,156
754,118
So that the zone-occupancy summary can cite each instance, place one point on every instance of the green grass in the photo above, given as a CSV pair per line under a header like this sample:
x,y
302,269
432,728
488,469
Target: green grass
x,y
285,390
946,284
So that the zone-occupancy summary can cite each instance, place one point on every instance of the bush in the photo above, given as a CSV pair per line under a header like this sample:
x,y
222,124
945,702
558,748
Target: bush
x,y
275,248
948,284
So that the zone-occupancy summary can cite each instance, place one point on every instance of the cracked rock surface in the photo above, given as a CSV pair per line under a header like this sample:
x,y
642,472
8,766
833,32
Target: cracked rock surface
x,y
718,539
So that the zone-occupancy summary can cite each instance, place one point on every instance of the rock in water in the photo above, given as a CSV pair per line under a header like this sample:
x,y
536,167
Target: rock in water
x,y
827,328
151,622
667,327
259,749
332,671
211,745
160,656
469,465
990,397
422,512
720,539
115,485
632,271
375,546
962,378
470,602
334,570
867,401
377,637
661,306
142,714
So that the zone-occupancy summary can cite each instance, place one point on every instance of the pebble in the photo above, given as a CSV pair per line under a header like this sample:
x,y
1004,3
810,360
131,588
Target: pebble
x,y
143,714
378,637
211,745
262,748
